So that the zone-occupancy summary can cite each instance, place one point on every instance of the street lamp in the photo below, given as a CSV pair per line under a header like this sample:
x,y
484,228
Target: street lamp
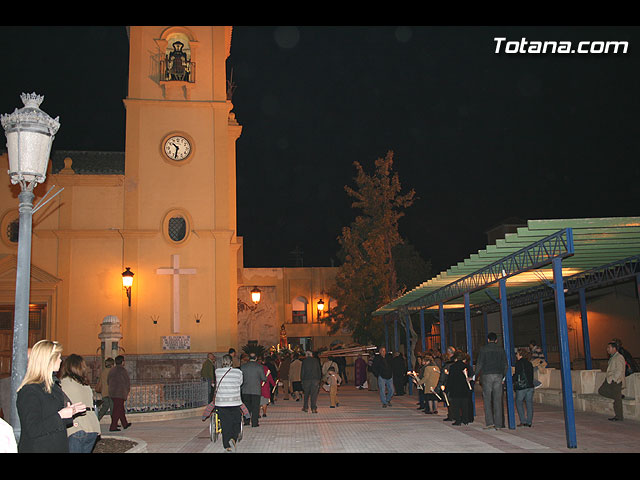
x,y
30,133
320,308
127,281
255,295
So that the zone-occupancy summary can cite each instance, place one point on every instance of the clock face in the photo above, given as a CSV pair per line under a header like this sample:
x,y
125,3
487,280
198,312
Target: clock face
x,y
177,147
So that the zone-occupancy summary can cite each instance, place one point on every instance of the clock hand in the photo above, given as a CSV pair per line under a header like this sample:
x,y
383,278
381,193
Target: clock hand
x,y
177,148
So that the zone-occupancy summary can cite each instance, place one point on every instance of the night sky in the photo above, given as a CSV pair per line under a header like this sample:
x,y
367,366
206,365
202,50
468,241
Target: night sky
x,y
480,136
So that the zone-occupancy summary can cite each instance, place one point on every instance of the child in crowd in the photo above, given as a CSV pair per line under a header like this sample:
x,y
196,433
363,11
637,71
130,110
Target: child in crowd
x,y
333,380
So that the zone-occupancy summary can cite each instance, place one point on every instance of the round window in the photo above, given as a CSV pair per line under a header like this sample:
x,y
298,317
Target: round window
x,y
177,229
176,226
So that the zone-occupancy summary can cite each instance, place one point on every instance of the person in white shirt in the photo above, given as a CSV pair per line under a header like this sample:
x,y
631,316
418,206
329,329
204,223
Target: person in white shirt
x,y
7,438
228,401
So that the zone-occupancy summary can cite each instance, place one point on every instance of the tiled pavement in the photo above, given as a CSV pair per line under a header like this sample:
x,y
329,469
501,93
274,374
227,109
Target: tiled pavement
x,y
361,425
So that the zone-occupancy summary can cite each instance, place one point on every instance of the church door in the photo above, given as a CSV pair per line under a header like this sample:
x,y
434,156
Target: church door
x,y
37,321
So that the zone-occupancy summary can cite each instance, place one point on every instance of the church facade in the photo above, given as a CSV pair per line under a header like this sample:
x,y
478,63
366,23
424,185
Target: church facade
x,y
164,210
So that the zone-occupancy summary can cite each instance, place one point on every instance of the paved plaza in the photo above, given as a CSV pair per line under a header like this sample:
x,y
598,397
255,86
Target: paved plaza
x,y
361,425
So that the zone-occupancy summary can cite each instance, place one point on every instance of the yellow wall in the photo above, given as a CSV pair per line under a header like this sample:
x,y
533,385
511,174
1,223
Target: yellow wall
x,y
100,224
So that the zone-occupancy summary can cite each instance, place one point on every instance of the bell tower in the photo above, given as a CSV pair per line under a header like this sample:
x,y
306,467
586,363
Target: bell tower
x,y
179,190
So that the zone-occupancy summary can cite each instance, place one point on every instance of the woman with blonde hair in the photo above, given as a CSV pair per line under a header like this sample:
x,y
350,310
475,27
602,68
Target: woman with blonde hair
x,y
75,385
44,415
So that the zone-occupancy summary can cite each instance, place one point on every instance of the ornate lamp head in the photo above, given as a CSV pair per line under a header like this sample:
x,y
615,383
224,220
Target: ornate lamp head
x,y
30,133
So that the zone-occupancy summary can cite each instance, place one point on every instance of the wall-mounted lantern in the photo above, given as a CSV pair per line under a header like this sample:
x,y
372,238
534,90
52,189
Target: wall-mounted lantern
x,y
255,295
320,307
127,281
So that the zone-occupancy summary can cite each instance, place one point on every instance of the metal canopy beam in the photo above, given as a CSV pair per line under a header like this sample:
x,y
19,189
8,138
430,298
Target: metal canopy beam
x,y
536,255
614,272
597,241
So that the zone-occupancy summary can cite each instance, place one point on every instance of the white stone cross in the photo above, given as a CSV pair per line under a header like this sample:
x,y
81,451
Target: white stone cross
x,y
176,271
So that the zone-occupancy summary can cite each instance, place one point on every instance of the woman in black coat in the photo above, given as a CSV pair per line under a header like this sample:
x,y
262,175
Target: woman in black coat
x,y
459,391
43,409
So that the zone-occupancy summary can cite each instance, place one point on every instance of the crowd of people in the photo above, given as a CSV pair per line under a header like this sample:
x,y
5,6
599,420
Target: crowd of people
x,y
251,383
449,379
57,412
442,379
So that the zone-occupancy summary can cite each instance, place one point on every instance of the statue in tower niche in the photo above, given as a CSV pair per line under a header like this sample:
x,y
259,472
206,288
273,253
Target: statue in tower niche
x,y
178,65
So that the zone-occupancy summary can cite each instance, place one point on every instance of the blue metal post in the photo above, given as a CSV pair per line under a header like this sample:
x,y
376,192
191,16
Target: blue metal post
x,y
585,329
395,334
543,330
565,361
422,332
409,365
506,338
443,338
513,353
386,334
467,323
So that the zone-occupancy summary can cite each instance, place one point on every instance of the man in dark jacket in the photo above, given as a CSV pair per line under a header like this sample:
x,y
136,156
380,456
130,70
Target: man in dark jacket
x,y
252,378
310,375
119,386
491,368
400,366
382,369
630,364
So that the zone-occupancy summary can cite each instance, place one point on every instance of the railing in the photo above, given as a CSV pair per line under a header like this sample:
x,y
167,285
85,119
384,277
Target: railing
x,y
184,73
162,396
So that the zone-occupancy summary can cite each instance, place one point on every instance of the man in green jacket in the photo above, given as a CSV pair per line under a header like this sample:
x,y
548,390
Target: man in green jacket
x,y
208,372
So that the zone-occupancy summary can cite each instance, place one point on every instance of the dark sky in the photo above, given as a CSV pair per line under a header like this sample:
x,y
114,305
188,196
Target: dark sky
x,y
480,136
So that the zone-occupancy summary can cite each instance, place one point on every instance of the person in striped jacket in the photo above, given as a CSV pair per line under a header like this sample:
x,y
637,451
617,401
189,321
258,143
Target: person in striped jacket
x,y
228,402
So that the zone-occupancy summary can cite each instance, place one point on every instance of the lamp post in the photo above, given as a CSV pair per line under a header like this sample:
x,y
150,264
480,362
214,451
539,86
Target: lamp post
x,y
30,133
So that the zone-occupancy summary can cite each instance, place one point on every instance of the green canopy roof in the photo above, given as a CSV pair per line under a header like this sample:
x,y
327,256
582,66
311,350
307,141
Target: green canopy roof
x,y
597,242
